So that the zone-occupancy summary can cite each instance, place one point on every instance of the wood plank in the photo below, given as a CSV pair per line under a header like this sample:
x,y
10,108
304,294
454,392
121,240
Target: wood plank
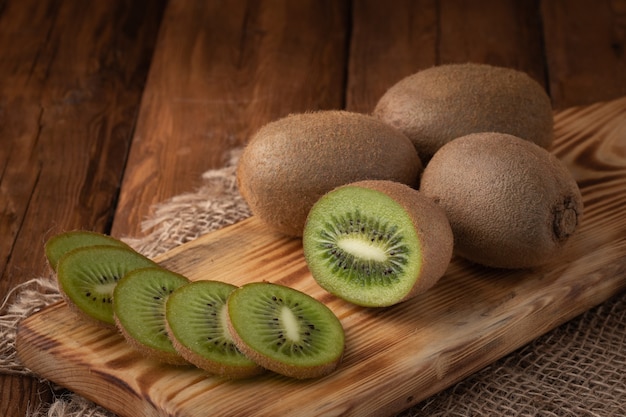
x,y
221,70
395,356
586,50
391,40
71,76
509,35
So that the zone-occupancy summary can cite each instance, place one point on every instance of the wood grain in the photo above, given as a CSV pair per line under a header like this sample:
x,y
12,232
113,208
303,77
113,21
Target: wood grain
x,y
212,85
391,40
509,36
71,76
395,356
585,68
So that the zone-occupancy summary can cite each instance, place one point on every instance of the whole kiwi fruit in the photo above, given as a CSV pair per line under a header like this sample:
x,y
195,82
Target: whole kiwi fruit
x,y
511,203
291,162
377,243
441,103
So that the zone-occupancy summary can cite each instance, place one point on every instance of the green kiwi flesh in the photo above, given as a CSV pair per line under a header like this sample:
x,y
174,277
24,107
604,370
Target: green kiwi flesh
x,y
139,301
285,330
376,243
88,275
62,243
196,319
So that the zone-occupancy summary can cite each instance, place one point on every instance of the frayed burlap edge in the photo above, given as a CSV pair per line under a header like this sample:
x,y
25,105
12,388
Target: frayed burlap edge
x,y
216,204
188,216
574,370
30,297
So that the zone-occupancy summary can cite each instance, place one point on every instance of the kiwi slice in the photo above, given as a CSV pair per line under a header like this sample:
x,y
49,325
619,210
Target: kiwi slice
x,y
59,245
196,317
377,243
285,330
139,302
87,276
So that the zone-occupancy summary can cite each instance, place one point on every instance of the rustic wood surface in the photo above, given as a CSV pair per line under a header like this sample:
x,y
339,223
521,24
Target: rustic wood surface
x,y
395,357
107,107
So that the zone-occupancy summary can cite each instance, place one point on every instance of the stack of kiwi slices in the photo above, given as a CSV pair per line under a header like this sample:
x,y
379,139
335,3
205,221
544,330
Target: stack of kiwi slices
x,y
88,267
230,331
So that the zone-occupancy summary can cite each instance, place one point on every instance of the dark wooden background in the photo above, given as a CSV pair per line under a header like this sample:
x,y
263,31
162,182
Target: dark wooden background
x,y
110,106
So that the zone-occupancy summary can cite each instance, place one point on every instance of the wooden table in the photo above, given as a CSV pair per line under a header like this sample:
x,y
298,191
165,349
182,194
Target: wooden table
x,y
108,107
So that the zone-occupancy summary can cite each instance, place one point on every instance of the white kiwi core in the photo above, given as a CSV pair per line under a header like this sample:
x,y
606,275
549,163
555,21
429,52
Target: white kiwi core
x,y
290,324
361,245
105,288
363,250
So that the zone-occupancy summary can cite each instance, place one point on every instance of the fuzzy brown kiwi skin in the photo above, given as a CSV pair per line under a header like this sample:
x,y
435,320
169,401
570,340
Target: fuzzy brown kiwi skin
x,y
433,229
291,162
438,104
511,203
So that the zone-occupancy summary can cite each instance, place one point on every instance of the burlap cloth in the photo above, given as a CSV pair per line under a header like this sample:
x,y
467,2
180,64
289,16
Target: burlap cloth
x,y
578,369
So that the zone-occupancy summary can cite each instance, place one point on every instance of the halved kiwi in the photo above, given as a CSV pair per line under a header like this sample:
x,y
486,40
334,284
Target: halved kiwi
x,y
285,330
196,320
88,275
139,302
377,243
62,243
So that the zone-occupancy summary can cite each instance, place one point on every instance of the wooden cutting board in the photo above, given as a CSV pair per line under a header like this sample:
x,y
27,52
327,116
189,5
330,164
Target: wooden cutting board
x,y
396,356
